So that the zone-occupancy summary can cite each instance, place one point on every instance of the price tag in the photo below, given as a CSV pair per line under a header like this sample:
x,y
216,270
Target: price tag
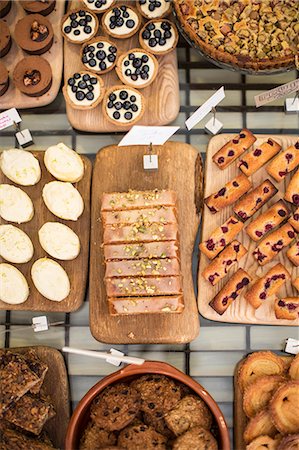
x,y
141,135
276,93
205,109
9,117
292,346
40,323
150,162
213,126
24,138
292,105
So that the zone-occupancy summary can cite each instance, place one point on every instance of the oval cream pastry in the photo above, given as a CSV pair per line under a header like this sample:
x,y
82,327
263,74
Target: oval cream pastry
x,y
59,241
13,285
63,200
64,163
15,246
50,279
15,204
20,166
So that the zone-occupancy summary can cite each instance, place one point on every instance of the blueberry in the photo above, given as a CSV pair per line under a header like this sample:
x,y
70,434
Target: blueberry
x,y
102,65
117,105
88,19
91,55
111,58
92,62
123,95
82,22
157,34
101,55
74,23
110,105
74,88
67,29
76,32
82,13
73,16
128,115
132,98
146,34
130,23
144,76
112,26
112,49
128,72
134,77
167,34
82,84
77,76
71,82
131,56
152,42
165,26
126,105
100,45
137,63
86,49
119,22
98,4
117,13
162,42
93,80
91,48
150,26
126,15
144,58
123,8
87,29
145,68
90,88
151,7
116,115
80,95
134,107
142,2
90,96
137,71
112,97
86,77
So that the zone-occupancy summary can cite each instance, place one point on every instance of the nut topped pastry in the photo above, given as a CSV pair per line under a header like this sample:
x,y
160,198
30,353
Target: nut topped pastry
x,y
79,25
123,105
137,68
154,9
121,22
158,36
33,76
84,90
43,7
34,34
99,55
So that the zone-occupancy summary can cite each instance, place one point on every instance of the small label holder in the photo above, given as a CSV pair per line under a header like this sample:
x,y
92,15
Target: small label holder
x,y
150,161
213,126
292,104
292,346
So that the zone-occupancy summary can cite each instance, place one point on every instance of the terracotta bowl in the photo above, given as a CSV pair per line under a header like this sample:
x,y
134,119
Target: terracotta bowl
x,y
80,417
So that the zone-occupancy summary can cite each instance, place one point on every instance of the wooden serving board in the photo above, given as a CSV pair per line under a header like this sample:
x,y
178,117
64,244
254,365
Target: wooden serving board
x,y
77,268
241,311
55,386
13,98
162,101
118,169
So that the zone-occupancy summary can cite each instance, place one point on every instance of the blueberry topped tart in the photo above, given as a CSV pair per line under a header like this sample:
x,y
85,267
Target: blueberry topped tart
x,y
123,105
99,55
158,36
79,26
154,9
137,68
121,21
98,6
83,90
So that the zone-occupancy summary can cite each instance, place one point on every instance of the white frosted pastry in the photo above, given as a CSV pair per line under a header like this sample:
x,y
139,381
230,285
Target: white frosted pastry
x,y
50,279
15,246
64,163
59,241
13,285
20,166
63,200
15,204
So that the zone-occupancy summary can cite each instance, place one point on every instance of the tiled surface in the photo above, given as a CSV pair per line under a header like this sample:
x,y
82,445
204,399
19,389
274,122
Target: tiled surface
x,y
211,358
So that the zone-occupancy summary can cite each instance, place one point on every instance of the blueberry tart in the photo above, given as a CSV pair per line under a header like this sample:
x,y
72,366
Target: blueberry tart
x,y
79,26
34,34
123,105
33,76
43,7
137,68
158,36
83,90
121,22
98,6
154,9
99,55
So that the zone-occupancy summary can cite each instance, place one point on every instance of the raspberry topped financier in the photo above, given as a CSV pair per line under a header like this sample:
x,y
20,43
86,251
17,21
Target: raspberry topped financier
x,y
234,148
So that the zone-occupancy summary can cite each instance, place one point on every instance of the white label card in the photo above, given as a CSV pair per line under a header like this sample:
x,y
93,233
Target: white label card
x,y
8,117
276,93
141,135
205,109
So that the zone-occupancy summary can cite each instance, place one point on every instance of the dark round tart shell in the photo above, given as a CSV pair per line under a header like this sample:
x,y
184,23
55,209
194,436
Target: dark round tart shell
x,y
31,41
5,38
5,6
33,76
4,79
38,7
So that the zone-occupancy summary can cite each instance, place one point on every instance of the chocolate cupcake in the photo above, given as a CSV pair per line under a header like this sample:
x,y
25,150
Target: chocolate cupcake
x,y
43,7
154,9
98,6
121,21
158,36
123,105
83,90
5,6
99,55
137,68
33,76
34,34
79,25
5,38
4,79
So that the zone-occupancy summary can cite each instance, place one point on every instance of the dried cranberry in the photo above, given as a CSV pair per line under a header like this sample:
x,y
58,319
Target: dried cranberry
x,y
268,227
259,233
224,301
234,295
235,184
220,160
270,142
266,190
224,229
229,262
259,255
267,284
291,306
239,286
257,152
222,242
258,200
297,145
291,234
243,163
211,279
235,141
231,153
210,244
242,214
233,222
221,192
245,281
289,157
295,199
281,303
282,173
296,217
282,212
263,295
242,135
236,248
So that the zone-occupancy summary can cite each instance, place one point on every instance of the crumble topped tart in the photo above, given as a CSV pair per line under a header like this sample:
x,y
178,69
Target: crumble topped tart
x,y
250,34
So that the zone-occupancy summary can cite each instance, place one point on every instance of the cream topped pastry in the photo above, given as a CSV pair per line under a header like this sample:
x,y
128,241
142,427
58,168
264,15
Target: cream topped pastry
x,y
84,90
158,36
137,68
121,21
99,55
154,9
98,6
79,26
123,105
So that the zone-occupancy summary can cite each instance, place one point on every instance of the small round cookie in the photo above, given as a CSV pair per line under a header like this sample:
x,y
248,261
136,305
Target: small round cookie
x,y
14,288
137,68
84,90
15,205
198,438
34,34
33,76
5,38
262,443
98,6
158,36
15,246
63,200
259,425
79,25
115,407
290,442
284,408
123,105
59,241
99,55
4,79
64,163
94,438
259,393
20,166
141,436
159,424
154,9
38,7
294,368
121,22
50,279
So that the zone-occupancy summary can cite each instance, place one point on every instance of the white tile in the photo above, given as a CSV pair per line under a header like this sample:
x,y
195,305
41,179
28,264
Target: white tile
x,y
269,120
2,316
93,143
83,365
231,120
7,142
272,79
175,359
232,98
272,338
43,142
81,337
214,76
200,141
221,389
227,411
214,363
45,122
81,317
155,348
54,337
220,338
79,386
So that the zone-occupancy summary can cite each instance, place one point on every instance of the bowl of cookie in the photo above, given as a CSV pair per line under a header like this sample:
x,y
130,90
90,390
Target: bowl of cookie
x,y
152,406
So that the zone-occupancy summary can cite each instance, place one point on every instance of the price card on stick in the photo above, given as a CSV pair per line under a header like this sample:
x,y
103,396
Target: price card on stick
x,y
205,109
9,118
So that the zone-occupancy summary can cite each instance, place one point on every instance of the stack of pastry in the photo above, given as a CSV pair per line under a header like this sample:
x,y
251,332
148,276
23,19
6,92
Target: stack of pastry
x,y
269,387
141,252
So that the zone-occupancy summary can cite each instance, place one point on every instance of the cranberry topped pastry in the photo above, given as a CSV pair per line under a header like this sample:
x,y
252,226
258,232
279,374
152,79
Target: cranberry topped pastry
x,y
234,148
285,162
121,22
272,244
99,55
158,37
34,34
137,68
287,308
79,26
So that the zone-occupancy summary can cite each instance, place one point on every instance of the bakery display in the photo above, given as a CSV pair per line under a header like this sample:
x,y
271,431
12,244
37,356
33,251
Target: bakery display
x,y
63,200
292,191
34,34
284,162
14,288
50,279
84,90
59,241
99,55
258,157
33,76
98,6
5,6
16,246
64,163
155,9
137,68
293,254
294,220
158,36
121,21
79,25
4,79
268,220
229,152
273,243
5,39
20,166
38,7
286,308
123,105
241,35
15,205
